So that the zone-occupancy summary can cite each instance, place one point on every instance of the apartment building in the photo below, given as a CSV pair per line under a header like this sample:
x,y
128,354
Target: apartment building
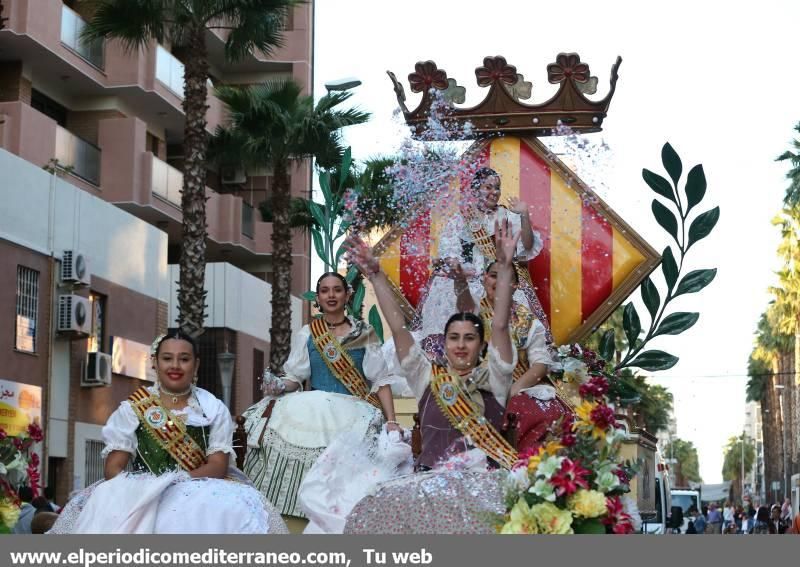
x,y
91,150
753,430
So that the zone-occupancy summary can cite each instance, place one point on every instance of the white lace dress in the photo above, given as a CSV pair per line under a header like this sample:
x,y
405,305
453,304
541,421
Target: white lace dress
x,y
172,502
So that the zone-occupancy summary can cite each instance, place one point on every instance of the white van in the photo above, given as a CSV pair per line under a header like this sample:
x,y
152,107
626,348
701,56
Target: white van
x,y
656,524
686,499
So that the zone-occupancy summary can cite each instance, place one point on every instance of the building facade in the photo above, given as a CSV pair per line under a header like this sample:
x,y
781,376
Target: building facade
x,y
91,148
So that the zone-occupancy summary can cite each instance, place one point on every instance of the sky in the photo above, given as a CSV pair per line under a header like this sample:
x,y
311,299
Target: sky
x,y
718,82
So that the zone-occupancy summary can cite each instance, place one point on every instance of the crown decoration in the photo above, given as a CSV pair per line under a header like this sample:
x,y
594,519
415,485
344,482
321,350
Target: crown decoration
x,y
502,111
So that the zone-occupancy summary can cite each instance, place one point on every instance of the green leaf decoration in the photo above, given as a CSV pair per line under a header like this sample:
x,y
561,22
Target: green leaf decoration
x,y
702,226
672,163
344,169
650,297
589,526
352,272
658,184
665,218
358,299
374,320
325,185
343,226
654,360
695,280
318,246
676,323
342,249
631,323
669,267
318,213
695,187
607,345
309,295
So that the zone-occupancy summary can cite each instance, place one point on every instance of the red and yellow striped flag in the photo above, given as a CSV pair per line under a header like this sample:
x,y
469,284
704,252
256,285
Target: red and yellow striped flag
x,y
591,261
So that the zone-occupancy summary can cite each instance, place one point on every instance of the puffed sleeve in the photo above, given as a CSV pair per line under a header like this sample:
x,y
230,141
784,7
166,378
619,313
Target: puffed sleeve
x,y
416,369
220,438
536,345
119,432
500,373
298,367
376,370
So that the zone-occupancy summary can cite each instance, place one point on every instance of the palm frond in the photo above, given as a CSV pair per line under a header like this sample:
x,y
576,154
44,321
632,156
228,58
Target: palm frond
x,y
133,22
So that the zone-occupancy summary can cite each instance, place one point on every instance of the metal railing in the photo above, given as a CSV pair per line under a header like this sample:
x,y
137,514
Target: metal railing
x,y
78,155
169,70
247,219
167,181
72,25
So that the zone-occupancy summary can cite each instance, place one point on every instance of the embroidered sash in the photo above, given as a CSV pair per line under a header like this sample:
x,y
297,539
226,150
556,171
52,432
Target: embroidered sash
x,y
521,321
167,430
339,362
464,415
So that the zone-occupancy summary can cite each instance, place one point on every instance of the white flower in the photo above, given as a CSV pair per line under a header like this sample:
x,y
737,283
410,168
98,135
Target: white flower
x,y
549,466
606,481
17,464
518,480
543,489
575,370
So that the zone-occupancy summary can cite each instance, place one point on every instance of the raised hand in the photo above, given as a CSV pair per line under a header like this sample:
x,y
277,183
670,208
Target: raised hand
x,y
519,207
360,254
453,269
505,242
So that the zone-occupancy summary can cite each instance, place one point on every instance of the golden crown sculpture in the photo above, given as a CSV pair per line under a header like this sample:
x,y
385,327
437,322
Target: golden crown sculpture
x,y
502,111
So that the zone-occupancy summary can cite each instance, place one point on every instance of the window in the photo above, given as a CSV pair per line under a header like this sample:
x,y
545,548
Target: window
x,y
96,339
49,107
27,309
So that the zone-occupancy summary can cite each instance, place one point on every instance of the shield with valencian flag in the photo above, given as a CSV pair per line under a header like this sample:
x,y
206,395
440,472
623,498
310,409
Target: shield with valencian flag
x,y
591,259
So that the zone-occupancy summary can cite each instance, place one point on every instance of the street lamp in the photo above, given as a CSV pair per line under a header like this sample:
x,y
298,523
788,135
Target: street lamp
x,y
780,388
344,84
226,361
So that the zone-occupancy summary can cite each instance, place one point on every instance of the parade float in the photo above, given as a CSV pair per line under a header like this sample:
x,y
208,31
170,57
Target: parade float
x,y
598,470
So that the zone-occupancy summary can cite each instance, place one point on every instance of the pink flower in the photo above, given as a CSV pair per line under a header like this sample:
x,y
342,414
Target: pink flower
x,y
18,443
35,432
3,434
596,387
569,478
602,417
620,522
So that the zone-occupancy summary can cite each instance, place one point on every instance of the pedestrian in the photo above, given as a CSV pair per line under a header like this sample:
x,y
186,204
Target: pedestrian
x,y
48,493
699,521
762,524
714,519
786,511
795,527
776,523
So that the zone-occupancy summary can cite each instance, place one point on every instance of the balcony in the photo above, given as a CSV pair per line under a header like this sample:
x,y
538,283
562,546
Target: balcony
x,y
78,156
166,181
72,26
169,70
247,220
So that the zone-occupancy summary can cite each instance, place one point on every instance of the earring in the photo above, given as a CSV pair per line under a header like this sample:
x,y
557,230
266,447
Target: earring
x,y
195,379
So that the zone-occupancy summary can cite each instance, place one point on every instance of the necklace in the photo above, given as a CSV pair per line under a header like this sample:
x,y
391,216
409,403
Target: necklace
x,y
333,325
175,395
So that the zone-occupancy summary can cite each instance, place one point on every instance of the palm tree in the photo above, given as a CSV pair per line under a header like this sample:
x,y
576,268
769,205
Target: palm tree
x,y
740,454
685,453
253,25
792,198
274,124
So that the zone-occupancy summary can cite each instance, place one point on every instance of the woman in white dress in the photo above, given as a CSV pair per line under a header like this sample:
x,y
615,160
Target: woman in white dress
x,y
339,359
177,439
468,238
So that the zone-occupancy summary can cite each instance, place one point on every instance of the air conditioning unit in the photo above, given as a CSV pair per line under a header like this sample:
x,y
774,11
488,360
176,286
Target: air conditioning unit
x,y
98,370
74,316
75,268
232,175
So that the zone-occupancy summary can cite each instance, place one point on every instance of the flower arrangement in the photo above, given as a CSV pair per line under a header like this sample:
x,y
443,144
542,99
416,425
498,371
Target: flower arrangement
x,y
576,482
21,464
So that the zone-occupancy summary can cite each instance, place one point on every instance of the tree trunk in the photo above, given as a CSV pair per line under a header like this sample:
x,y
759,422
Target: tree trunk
x,y
773,448
790,409
191,293
281,331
